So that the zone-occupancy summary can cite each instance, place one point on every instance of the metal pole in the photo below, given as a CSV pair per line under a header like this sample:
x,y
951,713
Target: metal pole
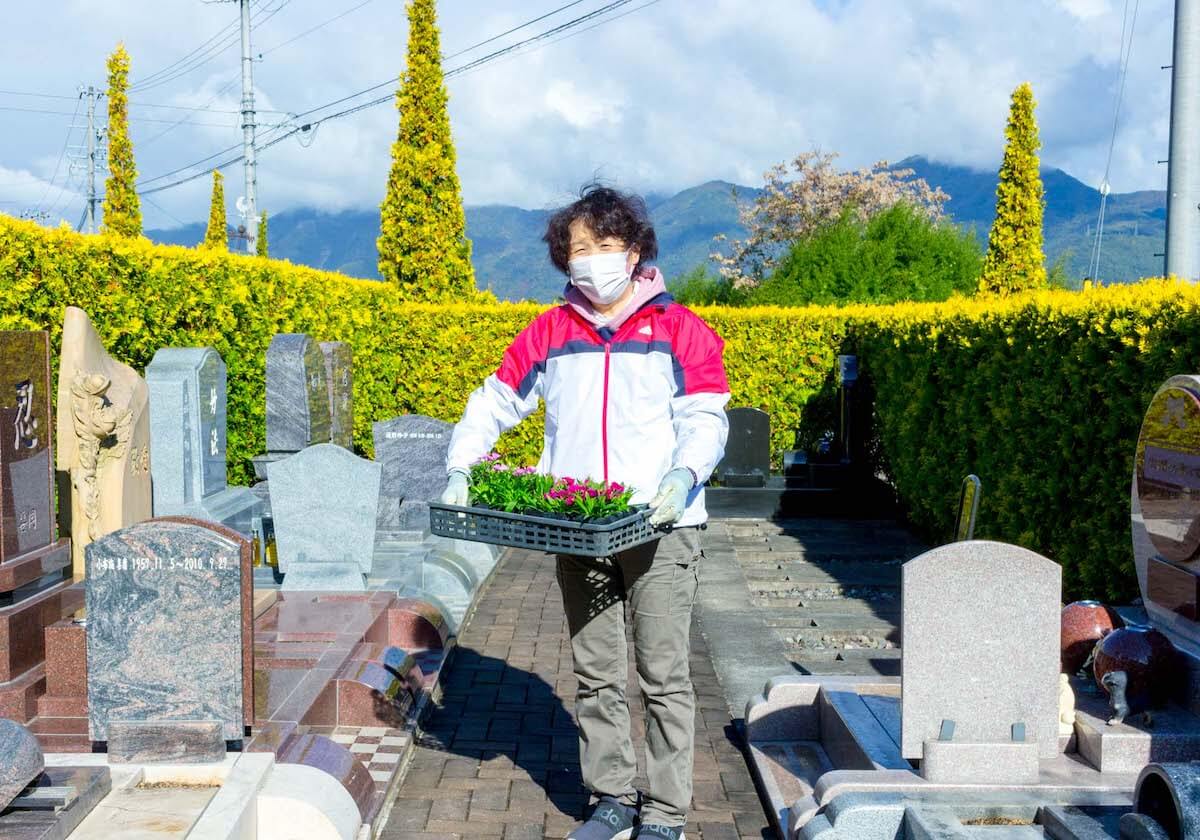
x,y
248,131
1183,163
91,160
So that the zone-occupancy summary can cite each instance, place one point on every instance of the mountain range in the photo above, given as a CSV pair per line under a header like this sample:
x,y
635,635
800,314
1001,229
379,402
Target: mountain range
x,y
510,258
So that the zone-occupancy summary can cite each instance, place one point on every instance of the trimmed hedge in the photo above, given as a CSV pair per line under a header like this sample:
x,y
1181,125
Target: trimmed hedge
x,y
1041,394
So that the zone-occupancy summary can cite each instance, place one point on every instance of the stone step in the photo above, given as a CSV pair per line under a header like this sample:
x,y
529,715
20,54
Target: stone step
x,y
862,622
882,603
1065,822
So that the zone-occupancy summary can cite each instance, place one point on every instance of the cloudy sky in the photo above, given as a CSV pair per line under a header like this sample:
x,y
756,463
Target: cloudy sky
x,y
670,94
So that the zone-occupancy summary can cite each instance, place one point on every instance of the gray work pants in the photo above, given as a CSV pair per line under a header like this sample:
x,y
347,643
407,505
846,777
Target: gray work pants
x,y
659,580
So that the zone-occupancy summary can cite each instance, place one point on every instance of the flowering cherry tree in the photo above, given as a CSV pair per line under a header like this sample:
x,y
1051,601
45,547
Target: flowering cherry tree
x,y
815,193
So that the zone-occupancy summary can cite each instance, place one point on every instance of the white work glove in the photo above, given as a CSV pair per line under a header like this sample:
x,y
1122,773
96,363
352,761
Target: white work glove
x,y
672,496
456,492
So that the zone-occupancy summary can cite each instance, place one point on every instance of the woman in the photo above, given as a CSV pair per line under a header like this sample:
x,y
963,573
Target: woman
x,y
635,392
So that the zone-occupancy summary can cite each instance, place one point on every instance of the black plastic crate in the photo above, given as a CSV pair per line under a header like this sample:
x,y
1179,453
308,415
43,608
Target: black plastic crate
x,y
541,533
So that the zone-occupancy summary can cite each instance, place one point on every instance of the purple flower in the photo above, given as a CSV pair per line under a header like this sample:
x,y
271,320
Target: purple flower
x,y
499,467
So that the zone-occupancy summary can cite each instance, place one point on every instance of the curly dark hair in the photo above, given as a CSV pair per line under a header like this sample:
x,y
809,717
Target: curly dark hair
x,y
607,212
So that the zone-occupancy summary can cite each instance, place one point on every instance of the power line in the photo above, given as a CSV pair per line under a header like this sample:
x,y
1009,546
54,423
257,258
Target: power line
x,y
510,31
61,154
68,113
223,31
200,61
312,125
306,32
1105,187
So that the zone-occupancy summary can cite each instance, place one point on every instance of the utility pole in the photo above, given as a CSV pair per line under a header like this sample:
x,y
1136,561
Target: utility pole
x,y
1183,160
251,220
93,135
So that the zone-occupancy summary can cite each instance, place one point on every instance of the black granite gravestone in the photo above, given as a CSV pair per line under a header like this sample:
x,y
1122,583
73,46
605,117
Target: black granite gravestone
x,y
747,460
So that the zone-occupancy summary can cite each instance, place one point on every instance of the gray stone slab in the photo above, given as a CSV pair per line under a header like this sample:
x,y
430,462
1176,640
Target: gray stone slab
x,y
166,607
188,445
26,492
187,425
21,760
980,628
324,577
166,742
297,395
412,450
323,502
933,822
1068,822
1142,827
339,376
961,762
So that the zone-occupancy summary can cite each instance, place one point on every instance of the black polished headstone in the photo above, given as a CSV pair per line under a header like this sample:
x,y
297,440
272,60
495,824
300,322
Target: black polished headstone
x,y
166,606
747,460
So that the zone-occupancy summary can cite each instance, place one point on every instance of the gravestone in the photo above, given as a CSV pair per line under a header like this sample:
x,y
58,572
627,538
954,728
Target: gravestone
x,y
27,542
1165,502
747,459
103,447
979,633
21,760
188,444
169,639
968,509
412,451
324,501
297,398
339,376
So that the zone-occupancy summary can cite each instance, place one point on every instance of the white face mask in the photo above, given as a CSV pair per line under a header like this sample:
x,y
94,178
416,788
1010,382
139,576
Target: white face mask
x,y
601,277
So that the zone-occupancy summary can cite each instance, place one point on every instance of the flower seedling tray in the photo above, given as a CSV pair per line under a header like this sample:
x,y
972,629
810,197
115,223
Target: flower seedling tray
x,y
542,533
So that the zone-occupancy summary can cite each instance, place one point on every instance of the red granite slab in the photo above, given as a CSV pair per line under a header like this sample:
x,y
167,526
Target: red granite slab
x,y
23,625
18,698
66,659
416,625
32,565
368,694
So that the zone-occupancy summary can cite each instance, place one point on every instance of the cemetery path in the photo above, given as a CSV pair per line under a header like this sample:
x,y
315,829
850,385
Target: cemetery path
x,y
499,756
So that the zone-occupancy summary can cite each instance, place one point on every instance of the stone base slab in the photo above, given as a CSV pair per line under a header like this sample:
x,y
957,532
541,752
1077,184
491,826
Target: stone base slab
x,y
55,804
29,567
1011,763
165,742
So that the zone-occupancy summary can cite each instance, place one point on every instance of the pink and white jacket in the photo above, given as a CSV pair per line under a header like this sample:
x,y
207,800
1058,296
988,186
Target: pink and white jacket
x,y
627,401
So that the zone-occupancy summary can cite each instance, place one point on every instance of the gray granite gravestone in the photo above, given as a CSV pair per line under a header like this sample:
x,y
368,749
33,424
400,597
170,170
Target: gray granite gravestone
x,y
168,641
324,501
26,491
21,760
980,630
339,376
187,440
412,450
297,398
747,459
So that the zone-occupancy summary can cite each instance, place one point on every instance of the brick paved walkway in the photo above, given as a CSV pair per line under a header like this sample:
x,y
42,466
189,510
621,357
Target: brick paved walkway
x,y
500,757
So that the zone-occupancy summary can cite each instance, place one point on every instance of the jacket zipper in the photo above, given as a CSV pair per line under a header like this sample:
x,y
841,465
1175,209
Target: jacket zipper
x,y
604,413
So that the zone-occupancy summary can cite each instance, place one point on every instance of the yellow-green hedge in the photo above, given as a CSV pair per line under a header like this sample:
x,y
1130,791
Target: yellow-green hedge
x,y
1041,395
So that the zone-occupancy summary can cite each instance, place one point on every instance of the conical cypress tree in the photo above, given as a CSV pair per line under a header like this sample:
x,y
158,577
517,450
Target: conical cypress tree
x,y
423,247
217,235
122,212
1015,260
260,242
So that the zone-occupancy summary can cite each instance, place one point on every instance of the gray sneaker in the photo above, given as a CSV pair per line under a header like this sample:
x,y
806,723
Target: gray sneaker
x,y
660,832
610,821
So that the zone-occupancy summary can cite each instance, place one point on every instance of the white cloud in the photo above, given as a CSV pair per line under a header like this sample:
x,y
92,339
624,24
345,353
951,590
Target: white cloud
x,y
678,93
